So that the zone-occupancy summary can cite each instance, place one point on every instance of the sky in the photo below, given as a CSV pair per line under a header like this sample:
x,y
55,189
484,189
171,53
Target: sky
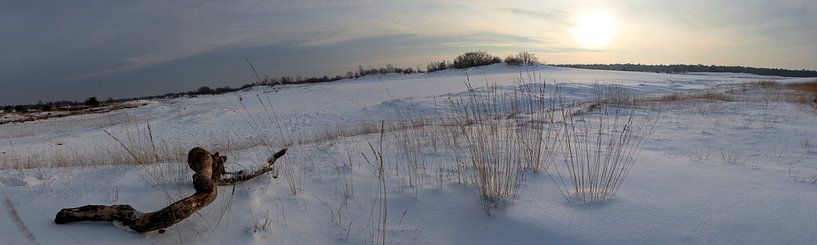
x,y
56,50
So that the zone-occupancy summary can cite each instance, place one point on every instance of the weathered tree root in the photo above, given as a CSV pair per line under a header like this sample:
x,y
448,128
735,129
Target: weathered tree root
x,y
209,169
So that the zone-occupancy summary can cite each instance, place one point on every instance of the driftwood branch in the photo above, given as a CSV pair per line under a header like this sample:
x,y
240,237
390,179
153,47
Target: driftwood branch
x,y
231,178
208,168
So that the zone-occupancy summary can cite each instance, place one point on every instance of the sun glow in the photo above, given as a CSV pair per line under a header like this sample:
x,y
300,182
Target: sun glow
x,y
594,29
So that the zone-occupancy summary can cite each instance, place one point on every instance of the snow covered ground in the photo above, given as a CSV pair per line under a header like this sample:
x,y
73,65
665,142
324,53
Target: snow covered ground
x,y
713,172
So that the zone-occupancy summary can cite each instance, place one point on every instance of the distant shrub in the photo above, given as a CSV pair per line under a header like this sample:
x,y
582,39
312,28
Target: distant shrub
x,y
522,59
92,102
374,71
437,66
472,59
20,108
204,90
225,89
47,107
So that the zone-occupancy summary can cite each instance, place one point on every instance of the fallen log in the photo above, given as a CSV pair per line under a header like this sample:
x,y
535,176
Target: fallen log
x,y
208,168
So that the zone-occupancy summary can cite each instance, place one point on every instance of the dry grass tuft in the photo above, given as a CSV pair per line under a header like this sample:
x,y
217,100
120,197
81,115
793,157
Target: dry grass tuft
x,y
599,150
505,132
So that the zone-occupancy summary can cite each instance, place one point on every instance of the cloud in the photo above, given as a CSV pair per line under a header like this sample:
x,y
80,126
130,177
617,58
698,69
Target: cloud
x,y
112,44
225,65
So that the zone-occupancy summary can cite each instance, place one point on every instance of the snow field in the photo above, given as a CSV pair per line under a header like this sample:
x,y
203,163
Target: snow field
x,y
712,171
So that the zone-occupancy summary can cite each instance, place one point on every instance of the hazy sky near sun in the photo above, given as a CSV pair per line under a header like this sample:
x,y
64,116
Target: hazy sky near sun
x,y
53,50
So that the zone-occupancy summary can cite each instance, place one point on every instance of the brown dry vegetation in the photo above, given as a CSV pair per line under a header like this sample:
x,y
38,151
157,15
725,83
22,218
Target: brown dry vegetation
x,y
706,95
801,93
810,87
34,116
761,91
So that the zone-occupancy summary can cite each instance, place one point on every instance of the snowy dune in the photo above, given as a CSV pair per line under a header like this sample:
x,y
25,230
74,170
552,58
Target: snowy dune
x,y
712,172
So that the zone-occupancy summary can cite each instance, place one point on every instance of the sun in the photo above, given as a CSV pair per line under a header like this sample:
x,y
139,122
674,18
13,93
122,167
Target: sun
x,y
594,29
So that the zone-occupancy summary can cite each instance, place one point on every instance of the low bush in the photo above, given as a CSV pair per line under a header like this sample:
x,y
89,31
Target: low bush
x,y
91,102
522,59
437,66
473,59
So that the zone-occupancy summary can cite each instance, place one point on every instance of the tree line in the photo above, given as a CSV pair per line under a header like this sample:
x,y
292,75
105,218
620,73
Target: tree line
x,y
679,68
